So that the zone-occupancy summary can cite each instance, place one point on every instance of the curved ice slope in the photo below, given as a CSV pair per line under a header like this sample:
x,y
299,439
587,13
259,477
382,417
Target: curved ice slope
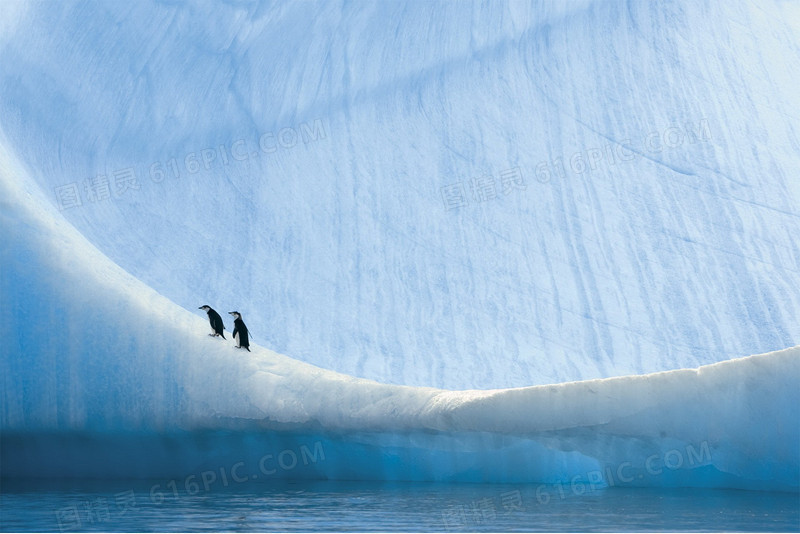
x,y
312,164
102,376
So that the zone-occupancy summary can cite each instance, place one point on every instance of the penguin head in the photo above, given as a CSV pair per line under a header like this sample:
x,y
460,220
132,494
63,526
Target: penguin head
x,y
236,314
205,307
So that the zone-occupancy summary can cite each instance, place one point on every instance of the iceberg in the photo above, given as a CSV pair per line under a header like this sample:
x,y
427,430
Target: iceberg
x,y
105,377
435,195
546,242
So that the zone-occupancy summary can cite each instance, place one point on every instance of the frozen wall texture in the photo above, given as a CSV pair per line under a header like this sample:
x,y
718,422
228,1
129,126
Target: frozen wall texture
x,y
424,194
439,194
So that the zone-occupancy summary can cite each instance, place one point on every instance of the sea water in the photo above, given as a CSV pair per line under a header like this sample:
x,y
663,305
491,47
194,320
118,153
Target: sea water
x,y
184,505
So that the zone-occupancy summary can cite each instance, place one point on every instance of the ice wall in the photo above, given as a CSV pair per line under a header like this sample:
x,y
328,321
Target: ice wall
x,y
429,193
103,377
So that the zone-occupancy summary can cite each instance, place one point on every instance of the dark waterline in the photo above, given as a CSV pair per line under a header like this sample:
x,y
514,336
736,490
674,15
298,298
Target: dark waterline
x,y
164,505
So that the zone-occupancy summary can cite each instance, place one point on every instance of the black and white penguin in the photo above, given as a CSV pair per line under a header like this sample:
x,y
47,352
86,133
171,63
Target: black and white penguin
x,y
240,331
217,328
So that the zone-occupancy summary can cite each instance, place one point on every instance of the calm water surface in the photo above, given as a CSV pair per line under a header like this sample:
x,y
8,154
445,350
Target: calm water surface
x,y
60,506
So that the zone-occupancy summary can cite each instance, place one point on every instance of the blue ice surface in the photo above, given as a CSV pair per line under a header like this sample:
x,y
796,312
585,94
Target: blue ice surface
x,y
220,457
401,198
120,399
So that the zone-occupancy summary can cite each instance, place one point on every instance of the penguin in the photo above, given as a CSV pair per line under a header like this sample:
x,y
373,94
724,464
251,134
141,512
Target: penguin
x,y
217,328
240,331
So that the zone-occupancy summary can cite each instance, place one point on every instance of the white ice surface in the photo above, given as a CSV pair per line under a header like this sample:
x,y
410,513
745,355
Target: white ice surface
x,y
675,247
92,351
665,247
